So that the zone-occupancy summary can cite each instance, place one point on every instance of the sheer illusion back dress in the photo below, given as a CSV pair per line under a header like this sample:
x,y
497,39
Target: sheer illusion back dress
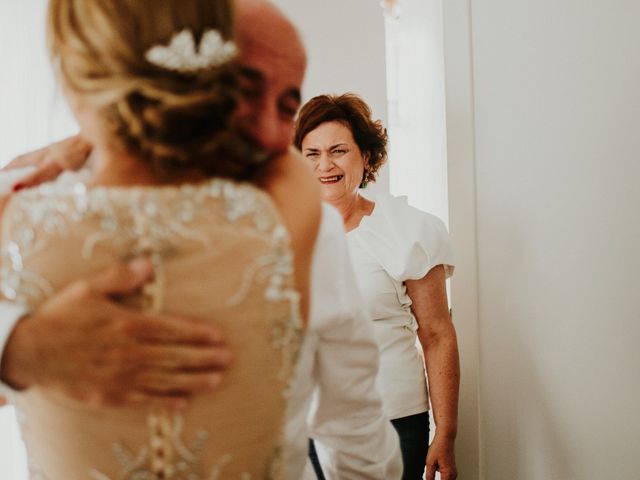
x,y
220,252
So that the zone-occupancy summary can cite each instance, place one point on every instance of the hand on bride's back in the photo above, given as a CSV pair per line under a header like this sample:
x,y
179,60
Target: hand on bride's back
x,y
82,343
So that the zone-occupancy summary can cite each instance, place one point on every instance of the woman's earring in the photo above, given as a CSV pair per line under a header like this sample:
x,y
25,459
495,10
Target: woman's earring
x,y
364,182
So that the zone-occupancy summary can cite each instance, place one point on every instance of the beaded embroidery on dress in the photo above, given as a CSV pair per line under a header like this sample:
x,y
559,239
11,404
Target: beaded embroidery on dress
x,y
220,252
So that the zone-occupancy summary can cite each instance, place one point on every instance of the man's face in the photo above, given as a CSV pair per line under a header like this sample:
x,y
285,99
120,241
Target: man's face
x,y
272,66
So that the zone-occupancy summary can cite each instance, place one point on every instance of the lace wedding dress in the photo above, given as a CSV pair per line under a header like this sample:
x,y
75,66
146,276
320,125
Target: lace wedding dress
x,y
220,252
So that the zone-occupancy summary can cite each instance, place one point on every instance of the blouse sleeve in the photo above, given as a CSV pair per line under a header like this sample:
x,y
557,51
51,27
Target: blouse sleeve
x,y
408,242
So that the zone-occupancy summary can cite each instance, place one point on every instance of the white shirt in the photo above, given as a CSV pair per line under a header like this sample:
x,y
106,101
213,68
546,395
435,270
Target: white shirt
x,y
334,399
396,243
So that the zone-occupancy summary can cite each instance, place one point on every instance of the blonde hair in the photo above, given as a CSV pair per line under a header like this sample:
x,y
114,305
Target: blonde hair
x,y
171,119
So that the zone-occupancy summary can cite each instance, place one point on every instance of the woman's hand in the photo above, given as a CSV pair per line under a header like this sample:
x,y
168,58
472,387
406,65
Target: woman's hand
x,y
441,458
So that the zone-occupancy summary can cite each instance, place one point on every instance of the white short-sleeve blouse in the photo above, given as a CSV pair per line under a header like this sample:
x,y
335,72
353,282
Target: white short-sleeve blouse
x,y
396,243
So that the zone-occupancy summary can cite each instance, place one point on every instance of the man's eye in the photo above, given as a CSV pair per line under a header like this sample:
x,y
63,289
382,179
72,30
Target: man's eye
x,y
250,89
339,152
288,111
311,154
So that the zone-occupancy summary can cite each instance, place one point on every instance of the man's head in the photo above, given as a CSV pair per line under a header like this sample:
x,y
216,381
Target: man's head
x,y
273,62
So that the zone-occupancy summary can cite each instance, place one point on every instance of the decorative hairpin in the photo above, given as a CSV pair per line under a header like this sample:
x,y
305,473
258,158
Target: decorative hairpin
x,y
182,56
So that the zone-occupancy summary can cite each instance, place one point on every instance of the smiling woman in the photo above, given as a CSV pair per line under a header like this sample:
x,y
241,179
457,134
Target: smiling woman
x,y
346,148
401,258
336,157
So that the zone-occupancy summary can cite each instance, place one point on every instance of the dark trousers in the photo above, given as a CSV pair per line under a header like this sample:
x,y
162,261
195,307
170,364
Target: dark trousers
x,y
313,456
414,444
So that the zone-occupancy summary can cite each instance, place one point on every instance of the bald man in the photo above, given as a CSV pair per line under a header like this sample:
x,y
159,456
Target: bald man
x,y
82,343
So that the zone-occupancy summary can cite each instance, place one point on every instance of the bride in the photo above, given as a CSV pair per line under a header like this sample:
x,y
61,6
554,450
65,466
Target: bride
x,y
153,87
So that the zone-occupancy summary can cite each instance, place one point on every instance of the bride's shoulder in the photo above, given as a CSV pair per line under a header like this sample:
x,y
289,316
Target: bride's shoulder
x,y
296,194
26,201
295,191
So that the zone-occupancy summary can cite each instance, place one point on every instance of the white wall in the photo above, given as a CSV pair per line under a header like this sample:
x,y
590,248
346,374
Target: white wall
x,y
32,110
556,174
345,43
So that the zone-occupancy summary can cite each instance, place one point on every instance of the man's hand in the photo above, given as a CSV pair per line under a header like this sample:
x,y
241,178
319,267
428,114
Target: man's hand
x,y
68,154
82,343
3,401
441,458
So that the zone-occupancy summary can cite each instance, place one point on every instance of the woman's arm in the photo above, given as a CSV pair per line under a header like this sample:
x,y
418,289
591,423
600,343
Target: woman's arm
x,y
437,336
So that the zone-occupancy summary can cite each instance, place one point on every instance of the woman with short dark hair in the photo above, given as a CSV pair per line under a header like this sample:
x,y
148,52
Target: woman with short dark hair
x,y
402,257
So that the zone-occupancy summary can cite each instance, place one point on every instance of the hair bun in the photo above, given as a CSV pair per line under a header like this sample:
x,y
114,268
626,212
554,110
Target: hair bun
x,y
172,119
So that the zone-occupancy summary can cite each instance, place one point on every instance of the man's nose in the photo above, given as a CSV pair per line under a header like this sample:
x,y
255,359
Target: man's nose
x,y
269,133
